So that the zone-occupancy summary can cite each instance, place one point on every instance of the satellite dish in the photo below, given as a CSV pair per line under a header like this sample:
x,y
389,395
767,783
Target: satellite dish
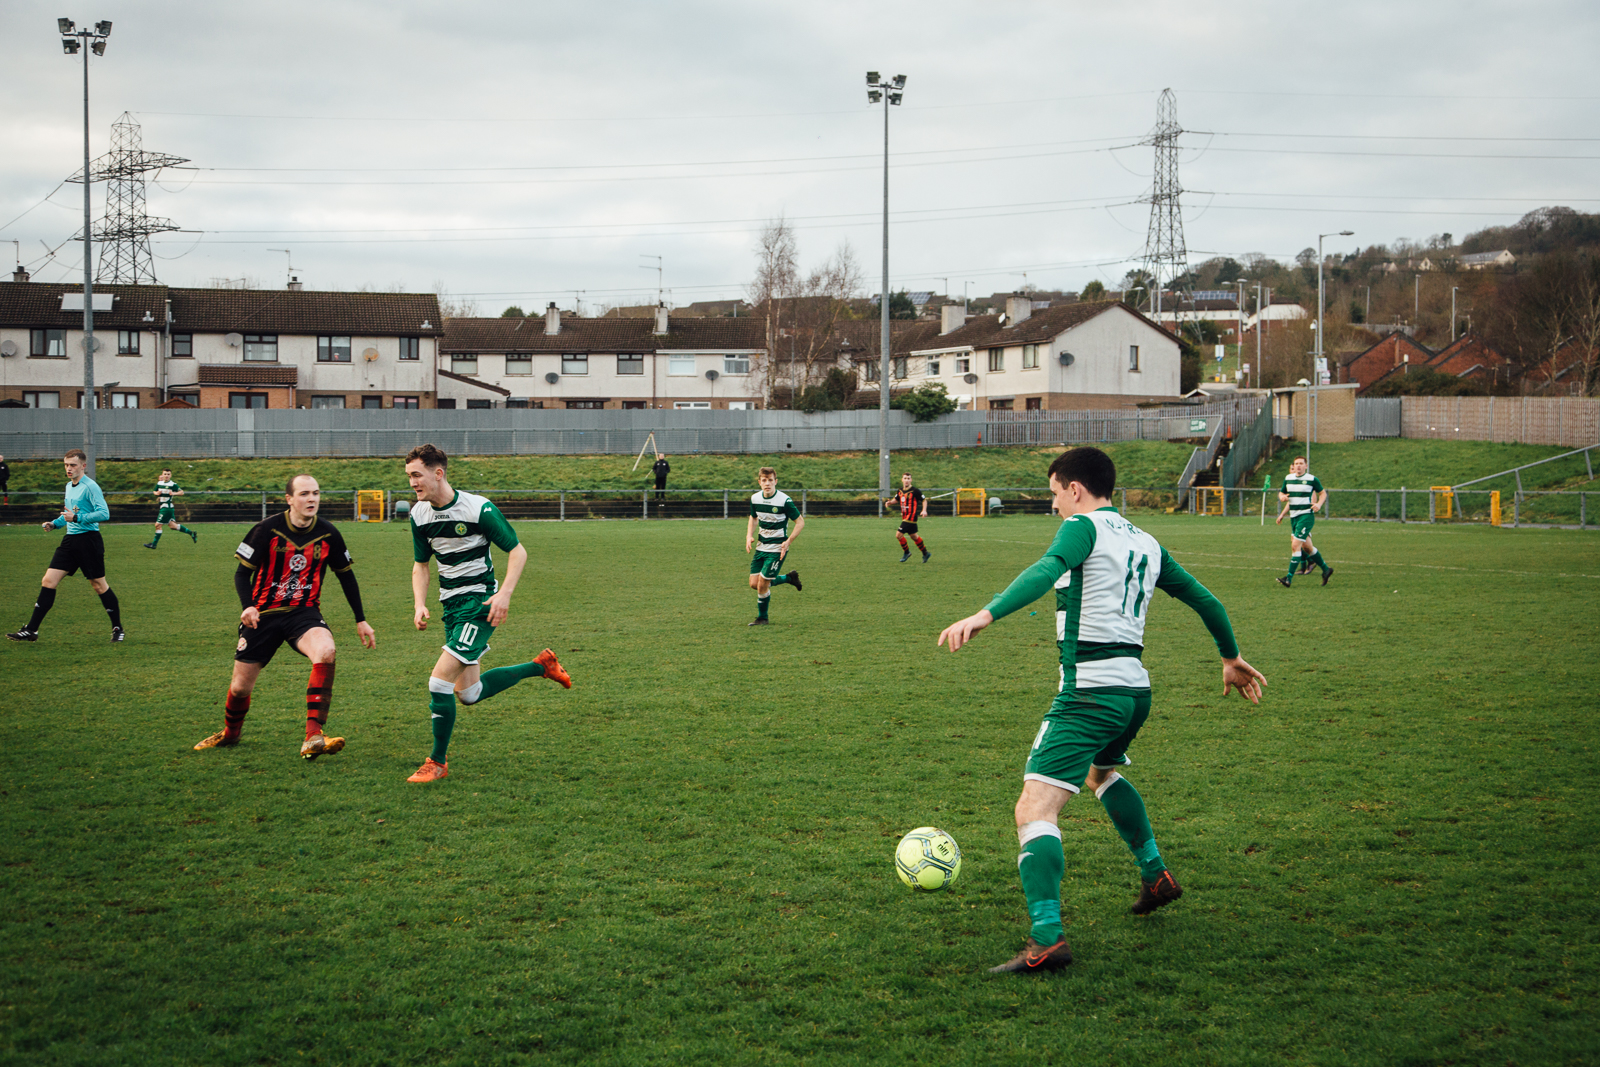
x,y
711,375
234,340
8,348
1066,359
369,354
970,378
552,377
98,344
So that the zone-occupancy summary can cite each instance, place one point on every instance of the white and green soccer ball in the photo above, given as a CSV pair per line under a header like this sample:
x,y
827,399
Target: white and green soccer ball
x,y
927,858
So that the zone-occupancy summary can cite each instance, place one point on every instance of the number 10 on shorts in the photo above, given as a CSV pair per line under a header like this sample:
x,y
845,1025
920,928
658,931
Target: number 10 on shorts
x,y
469,635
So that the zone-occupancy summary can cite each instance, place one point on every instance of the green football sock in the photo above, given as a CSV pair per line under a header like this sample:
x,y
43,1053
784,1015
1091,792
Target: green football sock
x,y
443,706
1040,867
762,603
1317,559
1294,565
1126,808
184,529
502,678
156,540
779,579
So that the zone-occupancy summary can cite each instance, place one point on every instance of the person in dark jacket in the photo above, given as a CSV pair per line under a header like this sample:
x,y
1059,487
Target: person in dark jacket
x,y
660,470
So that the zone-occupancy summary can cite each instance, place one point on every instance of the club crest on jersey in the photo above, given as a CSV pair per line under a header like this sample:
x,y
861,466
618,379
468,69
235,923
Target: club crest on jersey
x,y
242,645
297,563
461,529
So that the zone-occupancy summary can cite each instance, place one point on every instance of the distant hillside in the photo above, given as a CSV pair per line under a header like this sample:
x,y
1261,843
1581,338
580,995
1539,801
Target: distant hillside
x,y
1549,229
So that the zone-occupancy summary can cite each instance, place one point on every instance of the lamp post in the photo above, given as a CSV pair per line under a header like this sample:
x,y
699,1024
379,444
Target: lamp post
x,y
1259,321
1320,361
72,42
885,92
1453,289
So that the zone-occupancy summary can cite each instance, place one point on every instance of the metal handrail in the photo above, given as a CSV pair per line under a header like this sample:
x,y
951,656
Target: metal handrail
x,y
1585,451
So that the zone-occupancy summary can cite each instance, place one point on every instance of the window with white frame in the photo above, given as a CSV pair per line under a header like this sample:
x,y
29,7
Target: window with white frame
x,y
261,347
333,349
997,360
933,366
127,342
575,363
48,344
685,405
870,370
319,402
1133,357
630,363
464,364
964,365
680,366
519,363
124,400
41,400
405,402
1030,357
741,405
410,348
735,364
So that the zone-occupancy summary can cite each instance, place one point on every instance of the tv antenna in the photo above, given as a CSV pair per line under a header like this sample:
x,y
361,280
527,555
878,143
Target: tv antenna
x,y
661,298
289,260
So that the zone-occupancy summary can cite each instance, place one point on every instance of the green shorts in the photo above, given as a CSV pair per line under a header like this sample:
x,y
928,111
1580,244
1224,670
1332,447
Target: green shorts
x,y
1300,526
766,564
166,515
1085,728
467,630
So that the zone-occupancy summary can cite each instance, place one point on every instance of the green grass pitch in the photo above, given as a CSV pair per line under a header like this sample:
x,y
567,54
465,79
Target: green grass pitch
x,y
687,858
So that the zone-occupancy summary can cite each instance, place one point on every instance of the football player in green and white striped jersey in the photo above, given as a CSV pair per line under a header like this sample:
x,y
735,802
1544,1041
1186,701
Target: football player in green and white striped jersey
x,y
166,514
458,529
770,512
1302,495
1104,571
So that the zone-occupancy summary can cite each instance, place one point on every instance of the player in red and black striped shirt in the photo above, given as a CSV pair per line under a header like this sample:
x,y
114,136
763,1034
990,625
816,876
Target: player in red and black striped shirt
x,y
913,506
282,561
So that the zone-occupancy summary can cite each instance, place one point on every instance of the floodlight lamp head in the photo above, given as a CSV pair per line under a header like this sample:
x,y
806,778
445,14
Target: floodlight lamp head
x,y
98,48
872,75
64,25
1347,233
70,45
899,81
873,96
894,98
103,27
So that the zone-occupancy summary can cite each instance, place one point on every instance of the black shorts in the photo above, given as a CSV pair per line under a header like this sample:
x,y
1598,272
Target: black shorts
x,y
259,645
908,527
81,551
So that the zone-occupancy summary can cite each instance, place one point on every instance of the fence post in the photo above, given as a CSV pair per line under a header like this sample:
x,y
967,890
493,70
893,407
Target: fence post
x,y
563,505
1402,503
1377,504
644,501
802,503
263,505
1516,509
1583,510
724,503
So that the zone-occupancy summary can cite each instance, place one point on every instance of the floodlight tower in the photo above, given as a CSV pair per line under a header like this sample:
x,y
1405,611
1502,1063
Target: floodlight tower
x,y
1320,359
885,92
125,229
1164,251
72,42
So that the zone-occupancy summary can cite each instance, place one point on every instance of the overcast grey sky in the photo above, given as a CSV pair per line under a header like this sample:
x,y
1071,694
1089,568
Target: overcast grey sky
x,y
521,152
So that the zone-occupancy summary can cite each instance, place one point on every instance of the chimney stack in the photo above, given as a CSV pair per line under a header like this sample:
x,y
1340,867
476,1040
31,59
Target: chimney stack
x,y
951,318
552,320
1018,308
294,284
661,318
20,274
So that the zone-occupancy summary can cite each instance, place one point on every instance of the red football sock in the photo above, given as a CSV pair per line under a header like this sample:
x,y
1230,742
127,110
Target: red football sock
x,y
918,540
233,712
319,695
902,539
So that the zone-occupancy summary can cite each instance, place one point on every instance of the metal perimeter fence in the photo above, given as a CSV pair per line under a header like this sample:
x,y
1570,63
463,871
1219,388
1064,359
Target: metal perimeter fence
x,y
1545,508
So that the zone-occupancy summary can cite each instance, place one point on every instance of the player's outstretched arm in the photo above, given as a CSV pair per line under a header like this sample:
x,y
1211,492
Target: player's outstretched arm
x,y
419,595
750,534
1237,674
500,603
959,633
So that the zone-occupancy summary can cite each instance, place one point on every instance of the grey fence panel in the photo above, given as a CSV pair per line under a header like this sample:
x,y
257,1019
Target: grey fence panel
x,y
1377,417
210,433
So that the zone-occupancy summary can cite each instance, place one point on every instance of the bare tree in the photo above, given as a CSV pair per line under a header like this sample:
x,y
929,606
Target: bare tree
x,y
776,270
454,307
1584,317
803,311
